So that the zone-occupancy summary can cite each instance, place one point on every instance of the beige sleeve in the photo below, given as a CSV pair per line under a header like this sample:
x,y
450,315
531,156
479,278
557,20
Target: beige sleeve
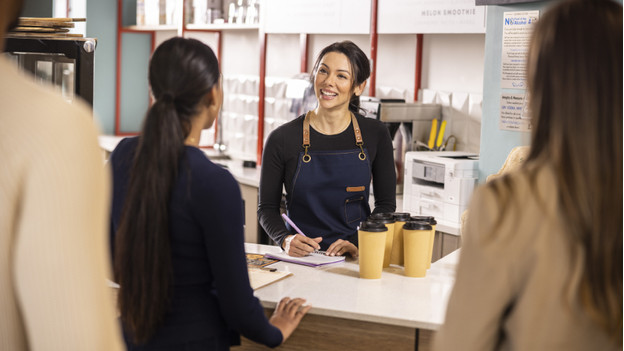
x,y
61,255
482,289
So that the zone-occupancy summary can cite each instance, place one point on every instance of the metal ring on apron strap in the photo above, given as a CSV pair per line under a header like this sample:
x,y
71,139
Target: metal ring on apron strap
x,y
306,158
362,155
359,141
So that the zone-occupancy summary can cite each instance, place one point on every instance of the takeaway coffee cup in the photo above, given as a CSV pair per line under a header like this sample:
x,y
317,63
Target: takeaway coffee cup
x,y
416,236
432,222
396,256
372,243
388,220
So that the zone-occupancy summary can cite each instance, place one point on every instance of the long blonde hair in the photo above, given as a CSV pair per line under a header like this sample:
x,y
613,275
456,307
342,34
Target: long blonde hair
x,y
575,86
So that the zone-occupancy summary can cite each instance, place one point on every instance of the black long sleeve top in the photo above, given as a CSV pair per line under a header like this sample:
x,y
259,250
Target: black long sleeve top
x,y
281,155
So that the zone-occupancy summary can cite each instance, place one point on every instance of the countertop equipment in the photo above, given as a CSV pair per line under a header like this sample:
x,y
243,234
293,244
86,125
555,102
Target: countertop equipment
x,y
439,184
407,122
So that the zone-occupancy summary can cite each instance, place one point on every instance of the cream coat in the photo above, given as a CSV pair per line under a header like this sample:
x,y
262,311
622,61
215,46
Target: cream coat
x,y
54,194
516,283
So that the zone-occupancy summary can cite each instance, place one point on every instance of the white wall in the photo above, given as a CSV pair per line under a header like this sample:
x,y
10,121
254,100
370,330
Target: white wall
x,y
453,62
452,72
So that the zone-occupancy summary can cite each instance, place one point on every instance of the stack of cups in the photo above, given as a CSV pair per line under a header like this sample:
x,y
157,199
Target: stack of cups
x,y
432,222
388,220
397,243
416,237
372,242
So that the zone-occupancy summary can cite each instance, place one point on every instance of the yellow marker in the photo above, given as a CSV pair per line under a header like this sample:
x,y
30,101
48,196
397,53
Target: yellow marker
x,y
440,135
432,136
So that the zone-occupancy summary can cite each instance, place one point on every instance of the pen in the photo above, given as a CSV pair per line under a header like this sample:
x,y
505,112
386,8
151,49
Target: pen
x,y
292,224
299,231
265,269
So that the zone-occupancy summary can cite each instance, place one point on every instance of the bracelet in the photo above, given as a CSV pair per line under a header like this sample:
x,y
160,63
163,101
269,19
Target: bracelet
x,y
287,241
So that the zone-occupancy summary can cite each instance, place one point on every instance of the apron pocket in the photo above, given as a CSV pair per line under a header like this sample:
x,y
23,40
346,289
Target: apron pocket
x,y
353,209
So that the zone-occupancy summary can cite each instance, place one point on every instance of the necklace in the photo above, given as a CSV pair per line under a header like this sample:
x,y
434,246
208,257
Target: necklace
x,y
321,130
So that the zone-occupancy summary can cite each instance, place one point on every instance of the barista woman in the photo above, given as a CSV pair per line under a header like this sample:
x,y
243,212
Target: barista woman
x,y
325,160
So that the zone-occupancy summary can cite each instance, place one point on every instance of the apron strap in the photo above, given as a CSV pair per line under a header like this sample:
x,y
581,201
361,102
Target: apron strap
x,y
359,141
306,138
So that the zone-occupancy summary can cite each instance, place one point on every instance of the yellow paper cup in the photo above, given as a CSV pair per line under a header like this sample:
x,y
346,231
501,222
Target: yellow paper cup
x,y
432,222
396,257
388,220
372,243
416,236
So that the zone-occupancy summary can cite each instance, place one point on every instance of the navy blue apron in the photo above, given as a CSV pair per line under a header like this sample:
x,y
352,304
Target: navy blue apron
x,y
331,189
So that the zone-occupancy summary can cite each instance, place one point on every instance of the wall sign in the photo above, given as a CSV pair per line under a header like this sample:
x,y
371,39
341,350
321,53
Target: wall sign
x,y
517,29
430,16
514,113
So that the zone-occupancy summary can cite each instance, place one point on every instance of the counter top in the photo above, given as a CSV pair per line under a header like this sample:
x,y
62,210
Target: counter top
x,y
337,291
244,175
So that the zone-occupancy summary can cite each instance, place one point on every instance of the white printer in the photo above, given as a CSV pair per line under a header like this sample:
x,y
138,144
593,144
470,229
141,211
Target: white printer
x,y
439,184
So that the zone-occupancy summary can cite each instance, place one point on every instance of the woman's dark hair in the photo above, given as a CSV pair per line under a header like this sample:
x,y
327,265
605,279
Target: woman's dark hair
x,y
360,67
181,73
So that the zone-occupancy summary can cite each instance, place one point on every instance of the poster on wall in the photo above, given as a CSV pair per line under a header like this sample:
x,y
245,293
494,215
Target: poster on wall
x,y
515,113
517,28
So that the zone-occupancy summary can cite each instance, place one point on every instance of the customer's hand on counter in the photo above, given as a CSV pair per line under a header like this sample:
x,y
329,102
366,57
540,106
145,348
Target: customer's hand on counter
x,y
288,314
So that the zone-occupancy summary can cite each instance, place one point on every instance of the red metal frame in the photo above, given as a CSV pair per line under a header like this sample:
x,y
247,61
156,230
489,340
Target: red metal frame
x,y
261,95
373,29
418,73
303,45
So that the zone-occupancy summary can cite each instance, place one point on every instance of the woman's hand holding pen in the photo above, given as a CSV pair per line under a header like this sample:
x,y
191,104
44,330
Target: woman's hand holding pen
x,y
341,247
298,245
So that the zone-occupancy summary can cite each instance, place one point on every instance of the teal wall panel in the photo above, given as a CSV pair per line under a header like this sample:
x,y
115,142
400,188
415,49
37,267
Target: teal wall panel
x,y
496,143
102,25
136,48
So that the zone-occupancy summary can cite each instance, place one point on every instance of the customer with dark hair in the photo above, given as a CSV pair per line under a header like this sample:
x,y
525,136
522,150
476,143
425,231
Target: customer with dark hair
x,y
177,221
541,259
326,159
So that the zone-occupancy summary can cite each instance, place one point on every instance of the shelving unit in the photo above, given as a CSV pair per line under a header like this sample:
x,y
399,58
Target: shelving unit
x,y
218,30
160,30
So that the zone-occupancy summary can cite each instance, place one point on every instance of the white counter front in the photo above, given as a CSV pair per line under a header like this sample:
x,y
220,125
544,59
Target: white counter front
x,y
337,291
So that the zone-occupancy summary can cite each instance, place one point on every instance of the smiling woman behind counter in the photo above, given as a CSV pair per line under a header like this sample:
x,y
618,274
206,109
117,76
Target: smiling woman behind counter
x,y
325,160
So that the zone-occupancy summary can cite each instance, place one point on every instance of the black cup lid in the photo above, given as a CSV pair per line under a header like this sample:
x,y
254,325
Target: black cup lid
x,y
414,225
373,226
429,219
401,216
382,217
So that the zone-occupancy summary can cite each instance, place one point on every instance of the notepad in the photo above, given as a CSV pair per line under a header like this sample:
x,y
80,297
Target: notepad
x,y
314,259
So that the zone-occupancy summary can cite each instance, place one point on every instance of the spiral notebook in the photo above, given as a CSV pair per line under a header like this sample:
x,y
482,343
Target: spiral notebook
x,y
313,259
